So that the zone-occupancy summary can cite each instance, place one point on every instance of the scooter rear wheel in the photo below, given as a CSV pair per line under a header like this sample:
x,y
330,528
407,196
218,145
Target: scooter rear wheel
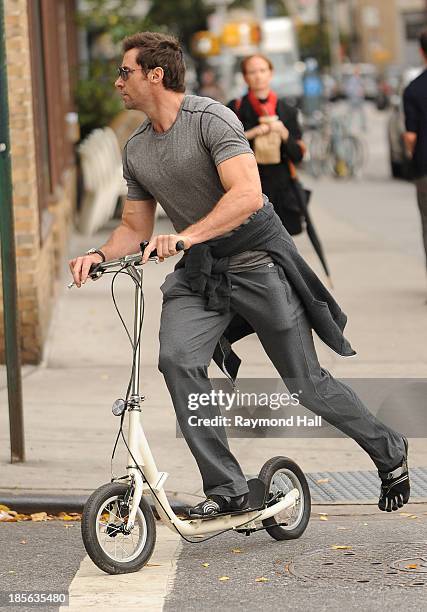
x,y
106,541
281,475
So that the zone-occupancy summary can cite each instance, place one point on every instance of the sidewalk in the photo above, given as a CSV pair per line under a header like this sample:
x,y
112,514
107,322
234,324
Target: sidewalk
x,y
70,429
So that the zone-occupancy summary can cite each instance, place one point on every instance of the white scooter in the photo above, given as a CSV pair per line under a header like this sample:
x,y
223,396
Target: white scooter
x,y
118,525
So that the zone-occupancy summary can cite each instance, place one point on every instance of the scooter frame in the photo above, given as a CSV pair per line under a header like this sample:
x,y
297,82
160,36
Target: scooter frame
x,y
140,457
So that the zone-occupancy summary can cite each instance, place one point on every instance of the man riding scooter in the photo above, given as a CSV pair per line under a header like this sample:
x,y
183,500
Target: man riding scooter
x,y
240,273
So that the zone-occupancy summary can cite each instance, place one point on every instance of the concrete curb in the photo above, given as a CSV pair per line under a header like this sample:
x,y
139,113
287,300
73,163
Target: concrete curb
x,y
28,504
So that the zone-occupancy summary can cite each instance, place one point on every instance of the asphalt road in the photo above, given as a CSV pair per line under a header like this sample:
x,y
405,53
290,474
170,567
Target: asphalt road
x,y
309,574
38,557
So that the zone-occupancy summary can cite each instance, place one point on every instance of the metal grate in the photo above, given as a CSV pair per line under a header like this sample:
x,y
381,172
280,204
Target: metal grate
x,y
334,487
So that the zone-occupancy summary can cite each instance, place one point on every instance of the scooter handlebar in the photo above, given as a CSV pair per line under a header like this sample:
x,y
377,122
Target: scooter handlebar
x,y
178,247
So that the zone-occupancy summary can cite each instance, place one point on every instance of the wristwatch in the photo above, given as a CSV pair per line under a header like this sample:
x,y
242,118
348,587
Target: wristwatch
x,y
98,251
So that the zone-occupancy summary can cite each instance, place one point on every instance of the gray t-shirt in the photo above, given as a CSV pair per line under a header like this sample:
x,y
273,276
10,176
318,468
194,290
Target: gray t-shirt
x,y
177,168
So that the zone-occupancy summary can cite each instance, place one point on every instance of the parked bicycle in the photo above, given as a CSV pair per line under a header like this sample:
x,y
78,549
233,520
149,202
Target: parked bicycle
x,y
118,526
332,148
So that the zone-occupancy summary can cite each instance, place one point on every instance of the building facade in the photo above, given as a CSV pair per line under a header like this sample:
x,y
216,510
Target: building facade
x,y
41,70
387,30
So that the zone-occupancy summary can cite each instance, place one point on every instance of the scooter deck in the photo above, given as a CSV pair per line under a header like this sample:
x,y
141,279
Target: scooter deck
x,y
257,495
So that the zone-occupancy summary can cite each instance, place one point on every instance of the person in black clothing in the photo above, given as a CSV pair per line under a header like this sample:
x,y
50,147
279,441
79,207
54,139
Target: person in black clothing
x,y
415,106
259,104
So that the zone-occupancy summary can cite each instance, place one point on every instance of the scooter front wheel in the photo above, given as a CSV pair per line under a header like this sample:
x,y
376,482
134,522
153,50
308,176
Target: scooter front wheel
x,y
110,546
280,475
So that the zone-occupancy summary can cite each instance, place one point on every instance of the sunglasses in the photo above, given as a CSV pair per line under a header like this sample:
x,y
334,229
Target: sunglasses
x,y
124,73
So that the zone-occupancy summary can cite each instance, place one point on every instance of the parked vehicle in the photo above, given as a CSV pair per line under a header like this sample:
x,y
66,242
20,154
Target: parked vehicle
x,y
388,85
400,163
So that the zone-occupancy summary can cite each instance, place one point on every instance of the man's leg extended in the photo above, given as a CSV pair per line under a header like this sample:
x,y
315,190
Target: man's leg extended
x,y
265,298
188,336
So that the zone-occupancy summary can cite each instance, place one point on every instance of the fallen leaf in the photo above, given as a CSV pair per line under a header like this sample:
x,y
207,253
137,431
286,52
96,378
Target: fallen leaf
x,y
4,508
5,517
322,517
224,578
342,528
412,566
63,516
405,513
23,542
261,579
236,550
23,517
365,524
39,516
339,547
153,565
205,564
322,480
413,516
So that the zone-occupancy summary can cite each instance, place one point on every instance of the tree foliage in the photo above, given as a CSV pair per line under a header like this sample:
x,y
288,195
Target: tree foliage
x,y
180,17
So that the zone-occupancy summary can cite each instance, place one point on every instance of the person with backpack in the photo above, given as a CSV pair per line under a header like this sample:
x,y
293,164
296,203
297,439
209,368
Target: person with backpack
x,y
272,128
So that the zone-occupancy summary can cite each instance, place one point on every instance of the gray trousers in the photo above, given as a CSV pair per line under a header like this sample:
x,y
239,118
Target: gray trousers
x,y
421,185
264,297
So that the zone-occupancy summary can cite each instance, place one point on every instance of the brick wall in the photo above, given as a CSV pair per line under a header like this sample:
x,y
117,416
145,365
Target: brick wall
x,y
40,239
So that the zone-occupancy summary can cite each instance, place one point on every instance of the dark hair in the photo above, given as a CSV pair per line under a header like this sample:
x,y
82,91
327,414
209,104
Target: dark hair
x,y
423,41
156,49
245,60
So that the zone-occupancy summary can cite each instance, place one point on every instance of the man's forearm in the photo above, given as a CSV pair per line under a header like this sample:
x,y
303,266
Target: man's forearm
x,y
123,241
137,225
233,208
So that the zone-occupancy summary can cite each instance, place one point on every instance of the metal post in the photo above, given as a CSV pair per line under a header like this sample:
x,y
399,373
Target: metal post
x,y
334,37
8,261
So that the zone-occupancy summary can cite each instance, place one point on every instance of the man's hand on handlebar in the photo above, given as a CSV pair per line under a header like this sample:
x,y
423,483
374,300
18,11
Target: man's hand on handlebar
x,y
165,246
80,267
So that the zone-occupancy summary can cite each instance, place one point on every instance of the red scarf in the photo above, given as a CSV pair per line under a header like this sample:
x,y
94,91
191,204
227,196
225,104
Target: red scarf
x,y
263,108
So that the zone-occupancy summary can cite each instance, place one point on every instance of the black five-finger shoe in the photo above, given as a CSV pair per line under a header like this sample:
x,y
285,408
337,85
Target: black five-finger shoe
x,y
217,504
395,485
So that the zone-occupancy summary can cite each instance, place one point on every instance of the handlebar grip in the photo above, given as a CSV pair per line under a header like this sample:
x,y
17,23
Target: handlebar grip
x,y
179,247
93,269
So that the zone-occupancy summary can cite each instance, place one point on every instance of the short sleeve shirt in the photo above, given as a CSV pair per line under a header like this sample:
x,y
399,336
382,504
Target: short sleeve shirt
x,y
178,168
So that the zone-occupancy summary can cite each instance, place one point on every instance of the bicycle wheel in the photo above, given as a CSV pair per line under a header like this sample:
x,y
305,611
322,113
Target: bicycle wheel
x,y
359,155
316,154
346,156
108,544
280,476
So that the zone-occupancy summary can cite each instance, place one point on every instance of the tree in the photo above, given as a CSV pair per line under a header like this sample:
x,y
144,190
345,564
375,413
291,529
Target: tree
x,y
180,17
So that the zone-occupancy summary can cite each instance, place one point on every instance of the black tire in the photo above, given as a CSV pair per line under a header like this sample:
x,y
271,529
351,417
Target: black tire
x,y
294,474
96,552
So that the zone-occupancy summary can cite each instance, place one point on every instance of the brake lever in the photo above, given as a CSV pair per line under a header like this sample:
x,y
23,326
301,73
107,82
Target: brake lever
x,y
93,274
